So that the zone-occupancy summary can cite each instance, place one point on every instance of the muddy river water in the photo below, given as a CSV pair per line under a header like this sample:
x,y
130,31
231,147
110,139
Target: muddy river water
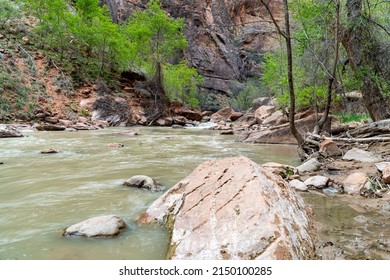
x,y
41,194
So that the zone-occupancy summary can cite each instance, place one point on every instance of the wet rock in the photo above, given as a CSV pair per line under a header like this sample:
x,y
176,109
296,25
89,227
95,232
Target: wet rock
x,y
233,209
50,151
143,182
97,227
1,162
354,183
190,115
115,145
180,120
83,126
361,156
130,133
311,165
50,127
177,126
8,131
227,132
116,111
100,123
222,115
298,185
328,148
318,182
161,122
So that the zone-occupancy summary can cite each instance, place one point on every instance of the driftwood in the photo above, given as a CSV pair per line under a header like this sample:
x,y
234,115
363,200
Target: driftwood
x,y
378,128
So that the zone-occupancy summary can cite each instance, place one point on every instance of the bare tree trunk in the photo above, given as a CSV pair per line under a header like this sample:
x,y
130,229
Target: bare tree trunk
x,y
353,39
287,36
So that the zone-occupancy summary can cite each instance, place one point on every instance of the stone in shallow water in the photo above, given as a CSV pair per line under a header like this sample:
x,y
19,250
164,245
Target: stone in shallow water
x,y
97,227
143,182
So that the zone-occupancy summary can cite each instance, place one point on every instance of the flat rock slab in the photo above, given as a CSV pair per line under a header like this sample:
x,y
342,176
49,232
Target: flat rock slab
x,y
233,209
97,227
361,156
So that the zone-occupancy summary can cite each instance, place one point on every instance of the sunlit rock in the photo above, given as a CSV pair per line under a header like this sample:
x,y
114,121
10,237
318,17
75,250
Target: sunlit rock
x,y
233,209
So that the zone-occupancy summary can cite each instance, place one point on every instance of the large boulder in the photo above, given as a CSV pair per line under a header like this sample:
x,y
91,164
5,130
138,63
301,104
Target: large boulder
x,y
233,209
116,111
97,227
7,131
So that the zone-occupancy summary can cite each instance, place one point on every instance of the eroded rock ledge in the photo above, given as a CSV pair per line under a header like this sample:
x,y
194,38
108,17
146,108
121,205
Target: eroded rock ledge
x,y
233,209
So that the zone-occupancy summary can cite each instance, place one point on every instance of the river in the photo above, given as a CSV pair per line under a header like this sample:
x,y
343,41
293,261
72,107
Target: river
x,y
41,194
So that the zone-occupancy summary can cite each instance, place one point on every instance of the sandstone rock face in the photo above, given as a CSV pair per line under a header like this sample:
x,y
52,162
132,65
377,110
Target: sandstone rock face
x,y
361,156
7,131
263,112
143,182
225,56
354,183
97,227
116,111
233,209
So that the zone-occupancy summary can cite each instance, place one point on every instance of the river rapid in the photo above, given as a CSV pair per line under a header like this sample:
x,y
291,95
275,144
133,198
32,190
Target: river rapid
x,y
41,194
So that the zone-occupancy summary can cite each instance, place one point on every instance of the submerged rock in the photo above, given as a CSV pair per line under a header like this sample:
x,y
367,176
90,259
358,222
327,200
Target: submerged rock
x,y
115,145
233,209
143,182
97,227
50,151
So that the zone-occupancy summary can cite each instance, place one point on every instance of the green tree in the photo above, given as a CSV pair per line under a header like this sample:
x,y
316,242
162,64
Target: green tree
x,y
181,83
154,38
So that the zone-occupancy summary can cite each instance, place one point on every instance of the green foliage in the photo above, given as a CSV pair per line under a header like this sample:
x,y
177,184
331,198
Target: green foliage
x,y
181,83
154,38
8,12
347,117
243,100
